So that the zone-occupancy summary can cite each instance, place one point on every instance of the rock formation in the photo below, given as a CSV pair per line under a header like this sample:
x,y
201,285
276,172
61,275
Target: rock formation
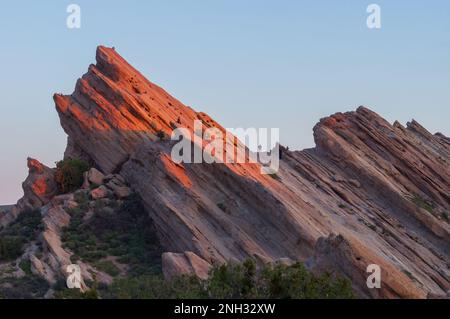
x,y
368,193
38,188
54,259
184,264
385,189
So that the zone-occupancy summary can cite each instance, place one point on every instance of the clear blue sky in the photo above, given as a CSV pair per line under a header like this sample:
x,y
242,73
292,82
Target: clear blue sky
x,y
247,63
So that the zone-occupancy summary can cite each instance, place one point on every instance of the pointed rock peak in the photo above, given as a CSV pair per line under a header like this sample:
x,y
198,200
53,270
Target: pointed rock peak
x,y
113,64
398,125
114,108
365,110
34,166
38,188
416,127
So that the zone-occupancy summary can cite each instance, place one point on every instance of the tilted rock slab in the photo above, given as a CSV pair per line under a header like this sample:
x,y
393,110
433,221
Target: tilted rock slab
x,y
384,189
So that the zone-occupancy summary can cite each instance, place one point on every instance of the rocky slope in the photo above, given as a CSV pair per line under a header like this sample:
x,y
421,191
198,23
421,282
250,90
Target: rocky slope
x,y
368,193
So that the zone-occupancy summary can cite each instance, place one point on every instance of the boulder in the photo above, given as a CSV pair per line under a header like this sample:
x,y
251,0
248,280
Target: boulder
x,y
95,176
99,193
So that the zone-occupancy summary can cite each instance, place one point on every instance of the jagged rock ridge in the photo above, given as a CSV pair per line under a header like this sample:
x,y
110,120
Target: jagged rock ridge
x,y
369,193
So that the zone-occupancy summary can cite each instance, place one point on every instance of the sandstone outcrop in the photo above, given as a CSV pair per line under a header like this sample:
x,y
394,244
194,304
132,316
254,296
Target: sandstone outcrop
x,y
54,259
95,177
187,263
38,188
384,189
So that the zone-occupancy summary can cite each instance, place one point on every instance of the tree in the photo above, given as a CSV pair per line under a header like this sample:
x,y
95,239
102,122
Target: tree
x,y
69,174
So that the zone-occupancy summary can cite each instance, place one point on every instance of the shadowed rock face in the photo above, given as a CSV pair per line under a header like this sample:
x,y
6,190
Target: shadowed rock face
x,y
385,189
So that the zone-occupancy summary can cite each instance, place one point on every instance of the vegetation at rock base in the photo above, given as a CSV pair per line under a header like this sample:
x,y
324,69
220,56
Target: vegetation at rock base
x,y
62,292
122,230
25,265
28,287
241,281
69,174
22,231
10,247
108,267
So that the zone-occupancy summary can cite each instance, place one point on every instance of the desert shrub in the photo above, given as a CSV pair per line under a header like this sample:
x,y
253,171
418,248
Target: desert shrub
x,y
296,282
233,281
10,247
243,281
126,232
23,230
69,174
65,293
108,267
25,265
155,287
237,281
28,287
82,198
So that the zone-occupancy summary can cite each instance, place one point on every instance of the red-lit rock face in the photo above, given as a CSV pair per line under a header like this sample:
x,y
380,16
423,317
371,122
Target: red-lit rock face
x,y
39,188
384,188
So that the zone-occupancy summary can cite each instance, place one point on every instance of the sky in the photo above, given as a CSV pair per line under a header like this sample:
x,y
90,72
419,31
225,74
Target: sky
x,y
252,63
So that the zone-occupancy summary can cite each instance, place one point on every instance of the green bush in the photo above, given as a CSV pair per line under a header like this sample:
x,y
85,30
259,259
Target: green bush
x,y
69,174
25,265
126,232
108,267
23,230
236,281
10,247
28,287
66,293
154,287
243,281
